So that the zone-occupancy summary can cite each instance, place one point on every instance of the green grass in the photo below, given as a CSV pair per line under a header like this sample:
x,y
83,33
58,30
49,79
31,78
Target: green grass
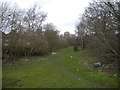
x,y
57,71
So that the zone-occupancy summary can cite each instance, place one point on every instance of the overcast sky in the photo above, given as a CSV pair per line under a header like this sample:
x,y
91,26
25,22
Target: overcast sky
x,y
62,13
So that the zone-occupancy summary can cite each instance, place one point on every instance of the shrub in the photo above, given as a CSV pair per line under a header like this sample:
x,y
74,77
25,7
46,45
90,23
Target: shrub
x,y
76,48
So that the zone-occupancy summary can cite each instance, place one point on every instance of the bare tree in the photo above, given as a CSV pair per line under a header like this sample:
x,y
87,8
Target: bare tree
x,y
100,23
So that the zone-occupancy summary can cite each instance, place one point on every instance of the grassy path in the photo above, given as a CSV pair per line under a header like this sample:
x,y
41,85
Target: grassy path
x,y
66,69
56,62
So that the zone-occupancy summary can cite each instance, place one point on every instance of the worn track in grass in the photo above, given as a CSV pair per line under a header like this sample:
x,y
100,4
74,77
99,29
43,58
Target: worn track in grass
x,y
55,61
56,71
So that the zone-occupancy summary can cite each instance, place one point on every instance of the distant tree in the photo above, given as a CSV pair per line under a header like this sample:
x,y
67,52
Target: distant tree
x,y
70,38
49,26
52,36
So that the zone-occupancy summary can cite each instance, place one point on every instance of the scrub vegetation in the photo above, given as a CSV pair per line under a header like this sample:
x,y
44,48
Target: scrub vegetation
x,y
36,55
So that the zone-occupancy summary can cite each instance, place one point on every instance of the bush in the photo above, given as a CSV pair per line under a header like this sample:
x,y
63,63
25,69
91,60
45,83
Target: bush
x,y
76,48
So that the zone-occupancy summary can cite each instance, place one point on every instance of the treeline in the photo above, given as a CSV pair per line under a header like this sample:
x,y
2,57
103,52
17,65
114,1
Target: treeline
x,y
98,29
27,35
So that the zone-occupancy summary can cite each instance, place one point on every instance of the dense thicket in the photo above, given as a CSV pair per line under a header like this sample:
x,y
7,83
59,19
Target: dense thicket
x,y
98,29
24,34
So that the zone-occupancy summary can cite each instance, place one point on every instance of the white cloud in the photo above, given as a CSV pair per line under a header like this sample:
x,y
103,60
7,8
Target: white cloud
x,y
62,13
